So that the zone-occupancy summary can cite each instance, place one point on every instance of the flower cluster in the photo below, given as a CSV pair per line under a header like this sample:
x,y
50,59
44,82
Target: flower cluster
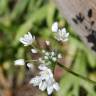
x,y
49,57
61,34
45,79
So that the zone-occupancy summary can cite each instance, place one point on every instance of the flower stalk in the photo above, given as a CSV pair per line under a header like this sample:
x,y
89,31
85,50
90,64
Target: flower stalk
x,y
76,74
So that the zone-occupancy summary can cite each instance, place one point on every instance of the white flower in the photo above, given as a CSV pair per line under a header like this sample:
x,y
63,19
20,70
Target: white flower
x,y
49,83
55,27
59,56
54,59
62,35
19,62
47,53
28,39
45,80
42,67
47,42
46,57
52,53
34,51
41,60
45,72
42,85
35,81
51,86
29,65
43,51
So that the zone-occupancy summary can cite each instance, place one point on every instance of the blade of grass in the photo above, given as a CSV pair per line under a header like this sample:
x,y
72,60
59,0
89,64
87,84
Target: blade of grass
x,y
19,8
24,28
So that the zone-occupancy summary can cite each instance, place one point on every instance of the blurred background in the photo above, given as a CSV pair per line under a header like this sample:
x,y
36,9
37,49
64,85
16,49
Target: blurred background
x,y
17,17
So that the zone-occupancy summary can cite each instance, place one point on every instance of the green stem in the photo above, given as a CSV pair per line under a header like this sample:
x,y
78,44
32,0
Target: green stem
x,y
31,61
76,74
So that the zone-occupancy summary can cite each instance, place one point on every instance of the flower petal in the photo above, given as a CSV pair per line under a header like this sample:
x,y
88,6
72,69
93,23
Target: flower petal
x,y
59,56
49,90
42,67
34,50
29,65
42,86
19,62
55,27
47,42
27,39
56,86
35,81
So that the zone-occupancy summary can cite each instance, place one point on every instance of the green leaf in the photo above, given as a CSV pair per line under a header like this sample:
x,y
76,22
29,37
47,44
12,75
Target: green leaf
x,y
50,14
3,6
91,58
19,8
65,85
70,84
